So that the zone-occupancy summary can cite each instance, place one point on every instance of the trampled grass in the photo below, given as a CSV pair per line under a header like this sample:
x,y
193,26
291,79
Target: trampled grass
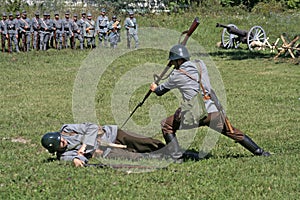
x,y
262,100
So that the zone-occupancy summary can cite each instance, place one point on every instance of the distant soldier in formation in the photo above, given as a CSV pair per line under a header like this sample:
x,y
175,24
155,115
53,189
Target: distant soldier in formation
x,y
3,30
58,31
12,32
77,31
46,28
25,30
132,30
101,27
90,32
114,27
17,19
67,27
36,27
81,23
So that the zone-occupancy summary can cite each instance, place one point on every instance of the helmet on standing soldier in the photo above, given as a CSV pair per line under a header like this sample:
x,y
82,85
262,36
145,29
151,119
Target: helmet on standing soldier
x,y
179,51
51,141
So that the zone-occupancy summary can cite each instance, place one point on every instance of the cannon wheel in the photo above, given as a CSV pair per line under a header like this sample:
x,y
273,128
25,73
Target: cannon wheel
x,y
228,39
256,35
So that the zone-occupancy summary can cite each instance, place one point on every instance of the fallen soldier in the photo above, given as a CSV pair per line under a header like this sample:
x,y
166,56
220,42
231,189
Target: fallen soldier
x,y
80,142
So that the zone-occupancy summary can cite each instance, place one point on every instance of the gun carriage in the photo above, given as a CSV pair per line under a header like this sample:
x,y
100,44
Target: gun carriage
x,y
232,37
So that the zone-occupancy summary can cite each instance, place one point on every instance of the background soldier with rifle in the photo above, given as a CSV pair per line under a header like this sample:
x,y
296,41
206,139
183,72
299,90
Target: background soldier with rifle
x,y
67,30
77,31
3,31
36,26
101,27
89,31
80,142
58,31
190,81
46,28
132,29
25,29
114,28
12,32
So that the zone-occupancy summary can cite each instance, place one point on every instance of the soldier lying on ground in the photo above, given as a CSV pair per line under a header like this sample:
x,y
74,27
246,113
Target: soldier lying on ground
x,y
80,142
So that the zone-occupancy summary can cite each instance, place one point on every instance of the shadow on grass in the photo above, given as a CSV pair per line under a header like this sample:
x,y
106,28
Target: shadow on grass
x,y
239,54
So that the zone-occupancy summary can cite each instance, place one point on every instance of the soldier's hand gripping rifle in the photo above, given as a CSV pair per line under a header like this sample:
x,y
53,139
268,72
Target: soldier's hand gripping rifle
x,y
188,33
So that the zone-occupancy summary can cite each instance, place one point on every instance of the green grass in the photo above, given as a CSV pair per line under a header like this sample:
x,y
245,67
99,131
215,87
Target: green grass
x,y
262,100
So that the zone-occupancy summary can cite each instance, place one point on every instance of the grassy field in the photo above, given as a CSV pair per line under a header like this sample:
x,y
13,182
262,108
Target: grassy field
x,y
263,100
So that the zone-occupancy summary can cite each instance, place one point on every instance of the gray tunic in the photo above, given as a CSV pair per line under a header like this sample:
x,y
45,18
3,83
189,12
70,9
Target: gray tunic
x,y
187,86
86,134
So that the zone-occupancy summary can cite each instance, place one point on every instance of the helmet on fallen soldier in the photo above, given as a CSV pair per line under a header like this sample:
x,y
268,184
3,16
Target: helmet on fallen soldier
x,y
179,51
51,141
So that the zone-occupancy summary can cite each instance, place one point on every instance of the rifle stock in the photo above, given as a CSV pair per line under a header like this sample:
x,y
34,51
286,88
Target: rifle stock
x,y
188,33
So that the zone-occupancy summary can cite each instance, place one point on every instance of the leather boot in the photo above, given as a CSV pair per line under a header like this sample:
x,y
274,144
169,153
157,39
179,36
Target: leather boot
x,y
173,146
251,146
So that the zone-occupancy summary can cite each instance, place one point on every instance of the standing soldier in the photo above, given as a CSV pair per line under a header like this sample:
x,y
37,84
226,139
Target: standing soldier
x,y
58,31
18,19
46,28
67,27
12,32
101,27
77,30
3,31
36,26
132,29
25,29
81,24
89,31
51,32
191,81
114,27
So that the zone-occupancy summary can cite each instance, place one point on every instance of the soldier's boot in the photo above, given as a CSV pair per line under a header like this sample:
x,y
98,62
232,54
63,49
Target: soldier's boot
x,y
173,146
251,146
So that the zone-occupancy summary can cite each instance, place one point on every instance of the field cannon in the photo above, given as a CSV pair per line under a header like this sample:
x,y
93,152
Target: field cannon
x,y
232,37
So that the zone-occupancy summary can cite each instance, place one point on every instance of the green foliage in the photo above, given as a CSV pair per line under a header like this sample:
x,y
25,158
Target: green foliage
x,y
293,4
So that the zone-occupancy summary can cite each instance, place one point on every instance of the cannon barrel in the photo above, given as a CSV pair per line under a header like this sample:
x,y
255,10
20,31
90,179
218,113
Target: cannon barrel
x,y
232,30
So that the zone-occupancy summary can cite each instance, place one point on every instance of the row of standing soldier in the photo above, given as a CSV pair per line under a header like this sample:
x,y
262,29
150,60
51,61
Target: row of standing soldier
x,y
44,32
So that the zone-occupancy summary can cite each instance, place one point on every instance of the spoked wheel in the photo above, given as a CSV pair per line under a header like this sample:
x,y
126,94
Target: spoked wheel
x,y
256,37
228,39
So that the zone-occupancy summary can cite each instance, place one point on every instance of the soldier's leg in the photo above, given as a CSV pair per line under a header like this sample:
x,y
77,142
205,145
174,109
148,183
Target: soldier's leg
x,y
28,41
215,121
128,39
41,40
169,127
138,143
35,38
93,42
10,37
80,38
46,41
15,39
59,40
136,40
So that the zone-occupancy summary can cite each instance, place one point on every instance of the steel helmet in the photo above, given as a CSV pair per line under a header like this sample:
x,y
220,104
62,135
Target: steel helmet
x,y
179,51
51,141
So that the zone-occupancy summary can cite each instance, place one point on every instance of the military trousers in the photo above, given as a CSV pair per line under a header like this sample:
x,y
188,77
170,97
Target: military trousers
x,y
133,35
26,40
213,120
44,40
102,36
12,38
136,145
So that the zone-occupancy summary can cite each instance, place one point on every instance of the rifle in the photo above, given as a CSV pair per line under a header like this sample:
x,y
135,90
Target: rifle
x,y
8,43
24,41
220,108
3,42
122,166
55,41
188,33
63,40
